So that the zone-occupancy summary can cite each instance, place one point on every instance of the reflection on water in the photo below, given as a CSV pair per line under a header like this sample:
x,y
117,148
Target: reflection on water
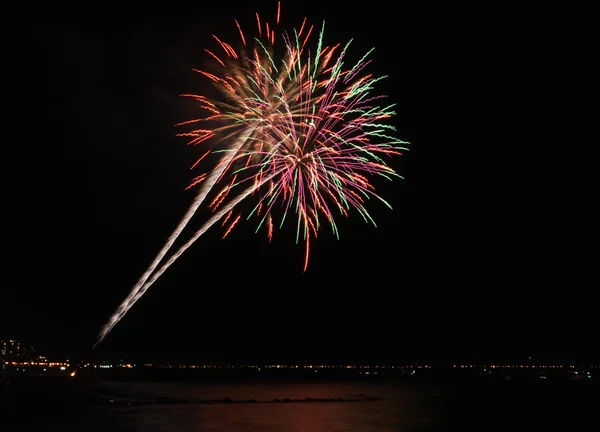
x,y
404,406
401,408
273,418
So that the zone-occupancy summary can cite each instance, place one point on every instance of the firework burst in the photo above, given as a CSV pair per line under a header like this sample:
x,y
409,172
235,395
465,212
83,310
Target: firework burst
x,y
299,132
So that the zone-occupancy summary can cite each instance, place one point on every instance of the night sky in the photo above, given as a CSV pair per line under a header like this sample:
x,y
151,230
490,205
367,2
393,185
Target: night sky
x,y
99,182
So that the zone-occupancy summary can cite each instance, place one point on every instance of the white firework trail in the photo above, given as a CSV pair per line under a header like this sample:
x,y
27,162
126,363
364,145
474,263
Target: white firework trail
x,y
143,286
204,191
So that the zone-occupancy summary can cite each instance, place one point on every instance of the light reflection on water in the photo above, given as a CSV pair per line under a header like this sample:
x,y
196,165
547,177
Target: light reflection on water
x,y
273,418
408,407
403,408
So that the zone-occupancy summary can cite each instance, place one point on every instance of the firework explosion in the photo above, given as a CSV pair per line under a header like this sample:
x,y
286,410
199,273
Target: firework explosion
x,y
298,132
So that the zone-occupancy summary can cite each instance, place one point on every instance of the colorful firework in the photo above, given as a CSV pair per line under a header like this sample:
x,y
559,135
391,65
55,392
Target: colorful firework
x,y
298,132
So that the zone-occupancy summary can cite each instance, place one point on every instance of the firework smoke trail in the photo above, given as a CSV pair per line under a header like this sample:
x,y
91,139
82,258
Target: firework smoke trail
x,y
206,188
139,292
309,126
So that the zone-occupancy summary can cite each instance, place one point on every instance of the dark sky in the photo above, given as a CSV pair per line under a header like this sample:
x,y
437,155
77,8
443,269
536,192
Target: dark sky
x,y
98,184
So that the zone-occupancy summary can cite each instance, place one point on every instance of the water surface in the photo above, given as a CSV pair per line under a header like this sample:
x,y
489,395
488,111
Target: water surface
x,y
399,406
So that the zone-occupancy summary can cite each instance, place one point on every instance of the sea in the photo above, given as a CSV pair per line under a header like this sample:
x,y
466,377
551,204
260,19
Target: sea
x,y
318,406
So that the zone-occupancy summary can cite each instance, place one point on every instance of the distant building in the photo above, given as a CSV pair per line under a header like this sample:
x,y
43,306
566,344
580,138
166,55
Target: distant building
x,y
12,350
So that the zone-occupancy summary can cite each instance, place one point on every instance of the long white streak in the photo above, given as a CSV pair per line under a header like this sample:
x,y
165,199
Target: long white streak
x,y
132,299
206,188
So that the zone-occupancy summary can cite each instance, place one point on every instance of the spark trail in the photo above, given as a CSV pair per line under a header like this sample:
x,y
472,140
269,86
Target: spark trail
x,y
136,294
138,290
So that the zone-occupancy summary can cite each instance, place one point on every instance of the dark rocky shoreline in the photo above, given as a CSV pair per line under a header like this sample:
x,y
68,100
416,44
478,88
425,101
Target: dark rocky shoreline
x,y
228,400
